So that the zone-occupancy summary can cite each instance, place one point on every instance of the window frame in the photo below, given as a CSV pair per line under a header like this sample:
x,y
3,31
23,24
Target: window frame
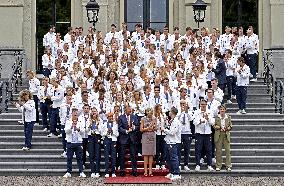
x,y
146,14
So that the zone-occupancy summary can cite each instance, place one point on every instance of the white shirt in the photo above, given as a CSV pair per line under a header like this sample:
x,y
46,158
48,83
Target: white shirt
x,y
84,122
56,95
173,134
203,126
73,136
34,86
185,119
114,126
243,76
65,113
28,110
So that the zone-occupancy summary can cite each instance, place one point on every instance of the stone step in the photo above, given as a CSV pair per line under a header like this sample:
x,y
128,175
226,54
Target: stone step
x,y
253,139
16,115
251,105
257,116
35,145
268,127
239,121
257,133
259,122
62,165
253,110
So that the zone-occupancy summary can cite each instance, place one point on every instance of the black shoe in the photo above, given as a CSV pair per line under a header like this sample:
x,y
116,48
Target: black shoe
x,y
122,173
134,173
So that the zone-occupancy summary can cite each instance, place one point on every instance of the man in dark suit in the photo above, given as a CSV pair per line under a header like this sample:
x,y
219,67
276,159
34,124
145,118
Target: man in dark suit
x,y
220,71
128,127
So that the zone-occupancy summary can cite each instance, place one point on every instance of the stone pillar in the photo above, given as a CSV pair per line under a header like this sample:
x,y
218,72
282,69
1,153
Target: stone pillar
x,y
277,23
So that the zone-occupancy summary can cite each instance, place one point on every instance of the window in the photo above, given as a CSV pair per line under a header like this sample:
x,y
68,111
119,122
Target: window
x,y
240,13
50,12
150,13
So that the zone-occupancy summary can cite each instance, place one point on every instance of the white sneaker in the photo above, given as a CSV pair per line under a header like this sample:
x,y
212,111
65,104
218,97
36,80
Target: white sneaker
x,y
139,154
186,168
97,175
176,177
254,80
229,169
82,175
50,135
20,122
93,175
84,167
229,102
201,160
214,160
59,136
64,154
113,175
87,154
67,175
25,149
244,111
163,167
157,166
36,124
210,168
107,176
168,176
197,168
44,130
239,112
234,97
179,167
218,169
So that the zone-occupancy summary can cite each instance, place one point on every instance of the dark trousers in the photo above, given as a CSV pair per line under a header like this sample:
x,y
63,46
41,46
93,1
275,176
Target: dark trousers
x,y
139,136
94,153
133,154
110,150
54,119
63,137
231,84
28,129
85,147
36,107
203,141
46,72
44,108
185,144
241,94
222,86
160,150
77,148
251,61
172,158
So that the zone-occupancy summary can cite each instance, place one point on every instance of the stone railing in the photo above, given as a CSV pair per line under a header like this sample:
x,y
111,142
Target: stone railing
x,y
9,86
274,85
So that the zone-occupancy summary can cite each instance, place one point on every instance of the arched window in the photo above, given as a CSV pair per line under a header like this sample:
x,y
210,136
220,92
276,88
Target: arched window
x,y
150,13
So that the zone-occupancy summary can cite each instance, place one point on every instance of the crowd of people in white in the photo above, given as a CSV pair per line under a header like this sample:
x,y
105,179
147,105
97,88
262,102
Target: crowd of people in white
x,y
143,89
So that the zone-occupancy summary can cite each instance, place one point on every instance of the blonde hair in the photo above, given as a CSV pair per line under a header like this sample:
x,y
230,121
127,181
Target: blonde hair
x,y
23,94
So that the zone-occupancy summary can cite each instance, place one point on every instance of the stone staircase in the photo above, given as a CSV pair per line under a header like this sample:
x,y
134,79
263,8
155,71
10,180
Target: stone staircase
x,y
257,143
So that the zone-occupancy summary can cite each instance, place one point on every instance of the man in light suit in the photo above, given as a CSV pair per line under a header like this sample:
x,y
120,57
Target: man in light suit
x,y
128,127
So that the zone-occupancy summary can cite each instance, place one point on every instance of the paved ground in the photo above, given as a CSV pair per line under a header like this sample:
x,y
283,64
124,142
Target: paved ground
x,y
187,180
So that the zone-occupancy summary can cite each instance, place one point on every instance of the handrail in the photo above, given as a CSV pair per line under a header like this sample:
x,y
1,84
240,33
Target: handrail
x,y
279,94
10,86
269,79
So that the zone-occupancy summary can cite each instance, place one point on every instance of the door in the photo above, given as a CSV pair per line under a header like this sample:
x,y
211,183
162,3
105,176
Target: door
x,y
50,12
149,13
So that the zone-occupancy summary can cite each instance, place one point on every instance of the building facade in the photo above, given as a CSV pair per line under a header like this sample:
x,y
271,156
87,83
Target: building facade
x,y
19,19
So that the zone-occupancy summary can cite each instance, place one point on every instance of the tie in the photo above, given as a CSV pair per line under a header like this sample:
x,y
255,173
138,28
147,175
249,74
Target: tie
x,y
183,119
129,122
68,111
167,97
101,106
